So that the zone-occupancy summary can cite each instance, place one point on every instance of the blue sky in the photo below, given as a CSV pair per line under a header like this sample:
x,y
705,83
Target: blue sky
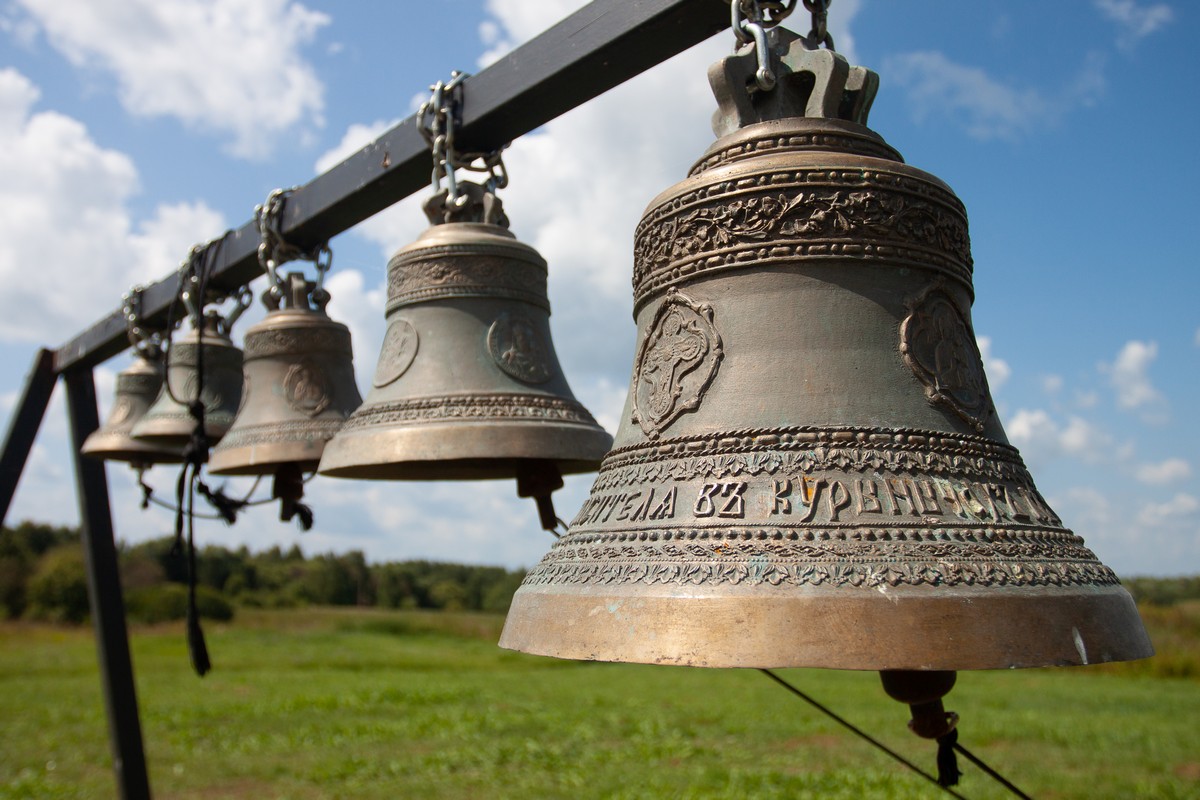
x,y
131,129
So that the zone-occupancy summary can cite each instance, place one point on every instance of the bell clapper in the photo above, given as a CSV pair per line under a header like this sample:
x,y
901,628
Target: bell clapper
x,y
538,478
923,691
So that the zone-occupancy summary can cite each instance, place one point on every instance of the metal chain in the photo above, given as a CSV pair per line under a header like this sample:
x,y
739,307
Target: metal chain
x,y
750,20
274,249
820,23
148,344
439,118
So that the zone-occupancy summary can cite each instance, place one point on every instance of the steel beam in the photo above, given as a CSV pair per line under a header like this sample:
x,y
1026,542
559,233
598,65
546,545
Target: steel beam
x,y
598,47
23,427
104,593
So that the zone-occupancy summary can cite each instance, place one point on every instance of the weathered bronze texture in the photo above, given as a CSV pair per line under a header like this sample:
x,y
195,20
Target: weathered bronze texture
x,y
468,384
298,386
169,422
809,469
137,386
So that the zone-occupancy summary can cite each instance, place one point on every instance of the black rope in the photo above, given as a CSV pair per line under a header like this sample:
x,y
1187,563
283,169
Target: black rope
x,y
860,733
947,763
996,775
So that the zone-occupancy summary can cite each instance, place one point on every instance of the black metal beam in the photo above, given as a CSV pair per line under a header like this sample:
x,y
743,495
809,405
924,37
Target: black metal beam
x,y
23,427
598,47
104,593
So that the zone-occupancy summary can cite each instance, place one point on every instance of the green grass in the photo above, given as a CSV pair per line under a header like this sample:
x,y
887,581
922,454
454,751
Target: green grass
x,y
329,703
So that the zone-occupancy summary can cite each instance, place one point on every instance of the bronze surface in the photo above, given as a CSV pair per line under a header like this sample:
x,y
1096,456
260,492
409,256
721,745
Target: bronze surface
x,y
168,422
809,469
298,390
468,385
137,387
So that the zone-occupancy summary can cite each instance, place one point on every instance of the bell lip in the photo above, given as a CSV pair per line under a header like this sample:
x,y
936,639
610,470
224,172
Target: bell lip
x,y
123,447
462,451
264,459
459,469
925,628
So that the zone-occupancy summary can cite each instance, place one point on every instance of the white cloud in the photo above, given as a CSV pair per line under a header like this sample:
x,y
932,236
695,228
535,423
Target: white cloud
x,y
987,108
1129,377
67,237
1136,21
998,370
984,106
1167,471
1041,438
360,308
1181,505
1052,384
233,67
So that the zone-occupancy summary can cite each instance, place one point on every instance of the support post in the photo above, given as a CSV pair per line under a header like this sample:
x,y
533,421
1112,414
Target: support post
x,y
23,427
104,593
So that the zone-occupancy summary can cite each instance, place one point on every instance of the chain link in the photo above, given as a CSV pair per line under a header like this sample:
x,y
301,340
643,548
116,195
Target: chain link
x,y
274,249
820,22
439,119
147,343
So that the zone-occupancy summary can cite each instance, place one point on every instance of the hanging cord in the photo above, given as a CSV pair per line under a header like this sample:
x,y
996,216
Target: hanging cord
x,y
995,775
194,276
860,733
947,745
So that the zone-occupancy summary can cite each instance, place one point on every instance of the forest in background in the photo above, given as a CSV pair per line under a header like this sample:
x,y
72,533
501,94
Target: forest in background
x,y
43,577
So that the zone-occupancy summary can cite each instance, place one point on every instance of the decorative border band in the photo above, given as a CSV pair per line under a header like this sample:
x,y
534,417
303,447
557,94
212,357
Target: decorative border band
x,y
470,408
280,433
779,217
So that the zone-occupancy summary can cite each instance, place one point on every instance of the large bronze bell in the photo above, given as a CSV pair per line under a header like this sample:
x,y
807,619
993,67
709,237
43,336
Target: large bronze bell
x,y
298,388
468,385
809,469
169,422
137,386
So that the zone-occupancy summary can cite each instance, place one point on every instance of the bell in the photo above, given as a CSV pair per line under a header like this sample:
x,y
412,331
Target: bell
x,y
809,469
169,423
468,385
297,388
137,387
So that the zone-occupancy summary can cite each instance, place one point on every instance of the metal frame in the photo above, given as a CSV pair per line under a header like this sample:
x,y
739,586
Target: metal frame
x,y
598,47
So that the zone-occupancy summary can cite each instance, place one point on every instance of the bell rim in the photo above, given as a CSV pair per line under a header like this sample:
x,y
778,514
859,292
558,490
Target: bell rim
x,y
462,450
864,628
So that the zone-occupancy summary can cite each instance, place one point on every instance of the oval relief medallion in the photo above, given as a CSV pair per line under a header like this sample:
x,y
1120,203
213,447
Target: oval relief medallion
x,y
938,345
518,348
675,364
397,354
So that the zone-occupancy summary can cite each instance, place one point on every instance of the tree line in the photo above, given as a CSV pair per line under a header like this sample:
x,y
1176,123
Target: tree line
x,y
43,577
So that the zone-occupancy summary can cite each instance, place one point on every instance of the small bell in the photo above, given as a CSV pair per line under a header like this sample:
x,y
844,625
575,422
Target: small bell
x,y
298,388
169,422
468,385
137,386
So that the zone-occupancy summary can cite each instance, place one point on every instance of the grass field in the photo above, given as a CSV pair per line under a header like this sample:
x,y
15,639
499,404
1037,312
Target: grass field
x,y
322,703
